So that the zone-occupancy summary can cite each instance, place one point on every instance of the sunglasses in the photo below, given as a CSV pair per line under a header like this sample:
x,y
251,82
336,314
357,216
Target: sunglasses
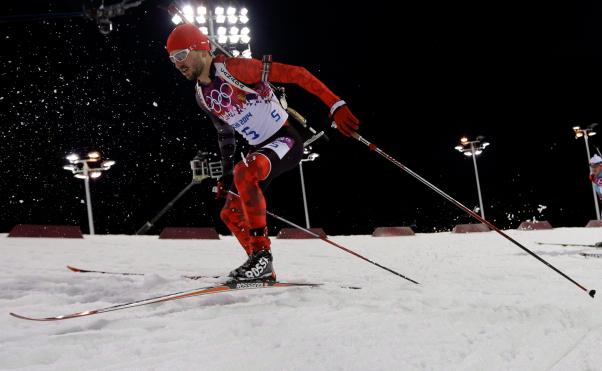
x,y
180,56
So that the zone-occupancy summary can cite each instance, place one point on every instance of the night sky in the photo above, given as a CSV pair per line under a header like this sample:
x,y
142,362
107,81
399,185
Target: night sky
x,y
418,78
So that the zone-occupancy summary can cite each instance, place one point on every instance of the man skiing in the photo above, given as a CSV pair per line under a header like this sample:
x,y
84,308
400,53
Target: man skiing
x,y
235,94
595,176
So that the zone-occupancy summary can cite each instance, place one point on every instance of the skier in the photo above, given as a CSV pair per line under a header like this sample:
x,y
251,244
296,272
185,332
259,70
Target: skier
x,y
595,176
236,96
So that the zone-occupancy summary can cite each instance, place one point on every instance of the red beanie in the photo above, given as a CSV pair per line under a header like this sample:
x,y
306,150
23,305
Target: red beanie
x,y
187,36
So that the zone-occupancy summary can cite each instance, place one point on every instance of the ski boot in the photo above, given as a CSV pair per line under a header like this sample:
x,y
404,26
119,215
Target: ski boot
x,y
258,266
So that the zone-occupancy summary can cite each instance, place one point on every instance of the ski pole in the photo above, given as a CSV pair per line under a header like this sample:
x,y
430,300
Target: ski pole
x,y
374,148
150,224
327,240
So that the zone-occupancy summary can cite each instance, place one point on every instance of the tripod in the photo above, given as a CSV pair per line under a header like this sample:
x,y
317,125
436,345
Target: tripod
x,y
201,170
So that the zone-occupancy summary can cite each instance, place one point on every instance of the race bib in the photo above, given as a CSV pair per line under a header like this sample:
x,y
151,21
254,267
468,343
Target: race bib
x,y
281,146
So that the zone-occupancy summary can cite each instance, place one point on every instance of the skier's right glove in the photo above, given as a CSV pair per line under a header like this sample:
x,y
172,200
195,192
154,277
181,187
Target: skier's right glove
x,y
343,119
224,183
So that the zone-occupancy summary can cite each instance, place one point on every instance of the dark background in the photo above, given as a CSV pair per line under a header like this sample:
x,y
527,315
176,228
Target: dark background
x,y
419,77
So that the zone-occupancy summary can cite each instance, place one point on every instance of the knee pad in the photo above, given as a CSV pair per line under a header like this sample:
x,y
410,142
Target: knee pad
x,y
256,168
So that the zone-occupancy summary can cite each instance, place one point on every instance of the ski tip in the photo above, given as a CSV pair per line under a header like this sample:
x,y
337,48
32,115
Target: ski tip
x,y
73,269
19,316
592,293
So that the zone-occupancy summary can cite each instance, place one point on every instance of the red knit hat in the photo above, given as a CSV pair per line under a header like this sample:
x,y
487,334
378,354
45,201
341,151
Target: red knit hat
x,y
187,36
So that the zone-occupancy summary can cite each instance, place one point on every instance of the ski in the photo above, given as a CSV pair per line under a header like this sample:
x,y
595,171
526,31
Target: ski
x,y
226,287
597,244
196,278
591,255
80,270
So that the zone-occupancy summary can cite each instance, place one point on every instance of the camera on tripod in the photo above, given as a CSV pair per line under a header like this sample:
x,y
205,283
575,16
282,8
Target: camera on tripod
x,y
202,168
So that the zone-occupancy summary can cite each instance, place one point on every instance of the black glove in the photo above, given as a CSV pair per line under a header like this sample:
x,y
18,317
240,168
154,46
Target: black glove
x,y
224,183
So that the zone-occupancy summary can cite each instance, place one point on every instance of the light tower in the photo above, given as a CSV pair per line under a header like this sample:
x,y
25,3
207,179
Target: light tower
x,y
585,134
86,168
473,148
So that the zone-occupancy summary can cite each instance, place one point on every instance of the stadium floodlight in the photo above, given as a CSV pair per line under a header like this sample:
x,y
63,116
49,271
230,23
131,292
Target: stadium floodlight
x,y
585,134
473,148
176,19
82,169
213,21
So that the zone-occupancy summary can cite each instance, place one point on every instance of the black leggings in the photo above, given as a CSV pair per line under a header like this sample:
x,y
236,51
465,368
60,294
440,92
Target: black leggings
x,y
287,143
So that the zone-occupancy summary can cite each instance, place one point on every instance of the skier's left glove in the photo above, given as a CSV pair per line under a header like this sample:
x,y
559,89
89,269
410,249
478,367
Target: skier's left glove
x,y
224,183
343,119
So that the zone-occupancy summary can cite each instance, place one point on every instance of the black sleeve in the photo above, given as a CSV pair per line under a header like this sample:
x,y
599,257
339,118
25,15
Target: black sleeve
x,y
227,143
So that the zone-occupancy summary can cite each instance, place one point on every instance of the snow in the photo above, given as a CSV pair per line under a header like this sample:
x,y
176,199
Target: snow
x,y
483,304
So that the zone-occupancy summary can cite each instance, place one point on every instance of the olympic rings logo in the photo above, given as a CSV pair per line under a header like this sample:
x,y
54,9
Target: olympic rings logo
x,y
220,98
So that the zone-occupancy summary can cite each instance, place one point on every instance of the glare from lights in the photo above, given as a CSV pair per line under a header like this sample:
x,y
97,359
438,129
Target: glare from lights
x,y
107,164
587,132
313,156
188,13
82,167
225,25
72,157
468,147
176,19
187,10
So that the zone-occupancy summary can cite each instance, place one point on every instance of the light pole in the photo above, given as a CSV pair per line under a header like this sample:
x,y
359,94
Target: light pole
x,y
82,169
586,133
307,156
227,27
473,148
